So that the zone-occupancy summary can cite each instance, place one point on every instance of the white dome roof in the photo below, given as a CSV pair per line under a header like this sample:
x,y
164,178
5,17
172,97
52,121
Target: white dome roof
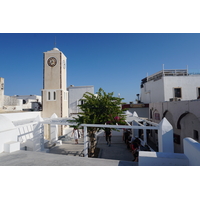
x,y
55,49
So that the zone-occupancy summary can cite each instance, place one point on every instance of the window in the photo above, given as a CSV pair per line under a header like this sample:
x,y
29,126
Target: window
x,y
49,96
81,102
177,92
196,135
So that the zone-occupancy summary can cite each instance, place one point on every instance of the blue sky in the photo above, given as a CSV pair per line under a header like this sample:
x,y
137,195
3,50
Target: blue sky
x,y
115,62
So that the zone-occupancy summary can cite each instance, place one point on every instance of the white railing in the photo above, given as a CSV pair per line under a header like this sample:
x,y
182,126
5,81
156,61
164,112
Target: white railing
x,y
31,135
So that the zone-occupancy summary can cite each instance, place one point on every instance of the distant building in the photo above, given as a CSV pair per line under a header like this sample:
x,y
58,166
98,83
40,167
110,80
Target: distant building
x,y
141,109
170,85
75,97
173,94
8,103
18,102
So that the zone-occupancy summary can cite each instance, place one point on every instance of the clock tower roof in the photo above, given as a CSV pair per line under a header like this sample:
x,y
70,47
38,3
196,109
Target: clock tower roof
x,y
55,49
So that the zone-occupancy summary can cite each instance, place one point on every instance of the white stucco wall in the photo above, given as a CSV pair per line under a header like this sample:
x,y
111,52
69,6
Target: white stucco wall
x,y
188,85
190,157
24,128
152,91
76,93
8,132
7,136
162,159
21,115
192,151
163,89
175,110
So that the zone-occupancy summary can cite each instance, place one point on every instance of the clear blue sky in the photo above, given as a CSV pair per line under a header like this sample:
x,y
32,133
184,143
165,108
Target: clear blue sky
x,y
114,62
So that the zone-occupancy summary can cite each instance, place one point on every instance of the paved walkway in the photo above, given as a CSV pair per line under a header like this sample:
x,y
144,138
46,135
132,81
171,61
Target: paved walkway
x,y
69,154
30,158
117,150
69,147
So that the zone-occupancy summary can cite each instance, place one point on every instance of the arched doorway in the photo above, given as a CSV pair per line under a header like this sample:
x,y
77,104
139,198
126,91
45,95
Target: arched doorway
x,y
189,126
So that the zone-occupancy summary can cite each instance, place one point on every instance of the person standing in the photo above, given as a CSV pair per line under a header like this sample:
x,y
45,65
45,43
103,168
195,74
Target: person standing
x,y
108,136
76,135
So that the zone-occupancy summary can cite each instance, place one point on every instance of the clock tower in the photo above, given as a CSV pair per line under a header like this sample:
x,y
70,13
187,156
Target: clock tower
x,y
54,93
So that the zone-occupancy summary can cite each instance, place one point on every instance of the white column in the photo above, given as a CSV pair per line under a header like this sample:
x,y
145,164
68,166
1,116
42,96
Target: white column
x,y
85,142
165,137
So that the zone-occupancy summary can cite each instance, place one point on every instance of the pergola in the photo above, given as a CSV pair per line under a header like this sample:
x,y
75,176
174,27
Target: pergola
x,y
165,130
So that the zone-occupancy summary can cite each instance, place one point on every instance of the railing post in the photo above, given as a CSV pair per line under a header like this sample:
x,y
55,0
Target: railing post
x,y
85,142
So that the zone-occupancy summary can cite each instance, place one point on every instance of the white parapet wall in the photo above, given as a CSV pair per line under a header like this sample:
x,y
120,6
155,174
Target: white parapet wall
x,y
162,159
8,132
21,115
192,151
18,130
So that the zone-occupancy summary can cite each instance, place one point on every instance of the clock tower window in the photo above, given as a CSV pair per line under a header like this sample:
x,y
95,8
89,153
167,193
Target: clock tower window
x,y
51,95
54,95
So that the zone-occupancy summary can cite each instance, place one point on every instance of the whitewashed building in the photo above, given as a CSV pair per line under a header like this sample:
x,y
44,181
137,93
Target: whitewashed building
x,y
184,116
8,103
170,85
75,96
30,102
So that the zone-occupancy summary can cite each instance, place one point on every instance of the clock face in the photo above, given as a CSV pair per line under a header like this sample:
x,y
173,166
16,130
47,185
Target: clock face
x,y
64,64
52,61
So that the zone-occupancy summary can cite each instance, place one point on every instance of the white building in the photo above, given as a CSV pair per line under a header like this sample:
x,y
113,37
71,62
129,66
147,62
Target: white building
x,y
8,103
18,102
75,96
183,116
30,102
169,85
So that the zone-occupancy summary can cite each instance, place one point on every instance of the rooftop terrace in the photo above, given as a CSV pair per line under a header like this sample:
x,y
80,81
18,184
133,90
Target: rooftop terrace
x,y
167,72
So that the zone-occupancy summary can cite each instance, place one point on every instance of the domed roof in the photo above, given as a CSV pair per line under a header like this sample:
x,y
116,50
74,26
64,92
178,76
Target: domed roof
x,y
55,49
